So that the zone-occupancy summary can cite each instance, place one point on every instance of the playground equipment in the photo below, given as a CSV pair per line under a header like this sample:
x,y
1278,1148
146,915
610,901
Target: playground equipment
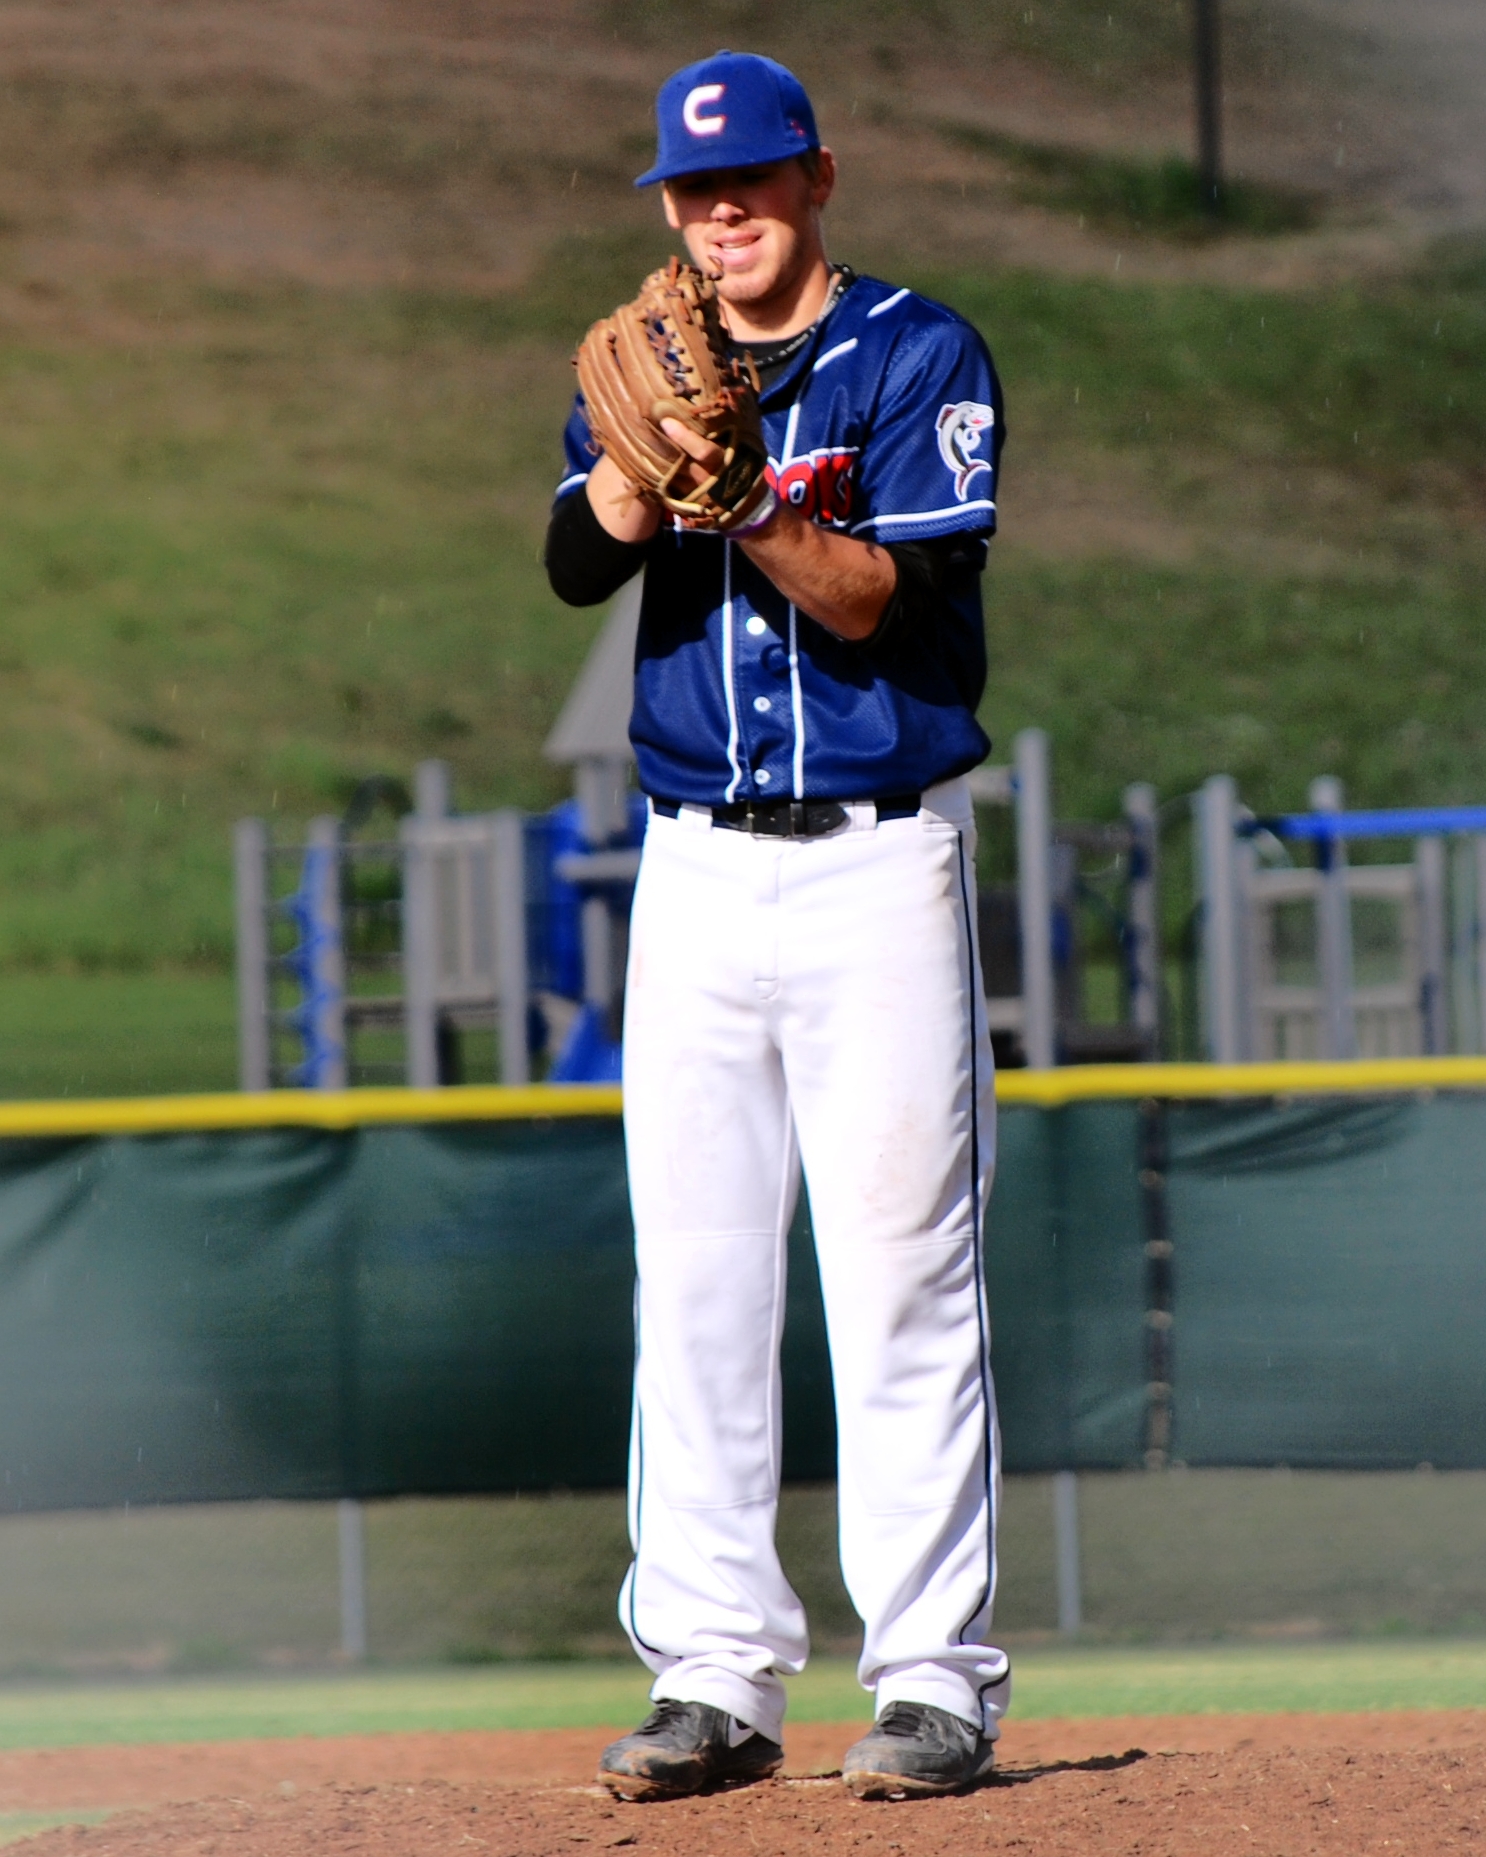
x,y
517,924
500,922
1333,960
1032,931
486,919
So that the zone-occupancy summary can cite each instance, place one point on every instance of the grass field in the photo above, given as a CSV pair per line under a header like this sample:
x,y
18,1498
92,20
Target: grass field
x,y
1187,1558
116,1034
1047,1683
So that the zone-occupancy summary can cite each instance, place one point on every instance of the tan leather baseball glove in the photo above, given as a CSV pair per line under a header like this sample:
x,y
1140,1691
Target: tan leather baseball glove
x,y
663,356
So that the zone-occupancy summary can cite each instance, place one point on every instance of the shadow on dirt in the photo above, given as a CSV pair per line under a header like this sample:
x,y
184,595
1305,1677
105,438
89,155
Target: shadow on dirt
x,y
1096,1763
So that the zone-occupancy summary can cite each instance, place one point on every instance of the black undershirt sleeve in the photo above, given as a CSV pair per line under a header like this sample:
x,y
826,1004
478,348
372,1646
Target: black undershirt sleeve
x,y
585,564
930,574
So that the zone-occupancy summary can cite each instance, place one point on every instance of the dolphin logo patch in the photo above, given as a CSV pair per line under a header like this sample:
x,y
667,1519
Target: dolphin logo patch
x,y
959,428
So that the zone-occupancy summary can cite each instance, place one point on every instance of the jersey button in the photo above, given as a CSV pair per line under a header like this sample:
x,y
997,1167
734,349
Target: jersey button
x,y
756,627
762,776
762,705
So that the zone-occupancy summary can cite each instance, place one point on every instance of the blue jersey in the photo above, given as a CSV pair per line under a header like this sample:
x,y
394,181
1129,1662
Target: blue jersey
x,y
888,425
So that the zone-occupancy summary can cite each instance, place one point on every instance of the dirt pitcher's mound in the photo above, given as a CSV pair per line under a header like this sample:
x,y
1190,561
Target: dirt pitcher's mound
x,y
1410,1785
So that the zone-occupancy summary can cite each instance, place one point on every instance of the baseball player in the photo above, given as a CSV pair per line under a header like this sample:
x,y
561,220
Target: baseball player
x,y
803,980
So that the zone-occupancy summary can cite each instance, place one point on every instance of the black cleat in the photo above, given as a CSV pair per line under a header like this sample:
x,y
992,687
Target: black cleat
x,y
687,1747
914,1751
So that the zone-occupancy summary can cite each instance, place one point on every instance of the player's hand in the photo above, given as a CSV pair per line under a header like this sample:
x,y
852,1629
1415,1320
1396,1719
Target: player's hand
x,y
611,496
707,458
843,583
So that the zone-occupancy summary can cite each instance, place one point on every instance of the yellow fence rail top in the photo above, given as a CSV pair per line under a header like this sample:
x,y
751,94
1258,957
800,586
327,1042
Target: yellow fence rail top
x,y
1082,1083
1044,1089
333,1109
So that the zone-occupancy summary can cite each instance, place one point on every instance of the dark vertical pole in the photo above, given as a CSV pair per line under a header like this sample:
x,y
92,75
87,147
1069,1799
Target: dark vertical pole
x,y
1206,69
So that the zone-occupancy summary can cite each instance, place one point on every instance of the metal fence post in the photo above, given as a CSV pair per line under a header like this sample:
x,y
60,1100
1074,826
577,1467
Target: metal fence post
x,y
419,956
351,1542
1144,915
597,925
1245,867
1034,833
1217,814
601,787
431,790
1429,858
1066,1552
1479,842
325,1006
508,913
431,800
1465,1019
250,888
1334,928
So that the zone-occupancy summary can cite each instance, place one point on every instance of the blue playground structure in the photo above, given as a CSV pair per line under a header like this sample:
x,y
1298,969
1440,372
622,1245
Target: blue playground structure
x,y
1314,956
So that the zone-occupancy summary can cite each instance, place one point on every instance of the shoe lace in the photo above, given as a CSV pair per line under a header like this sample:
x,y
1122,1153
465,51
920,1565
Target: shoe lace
x,y
664,1714
904,1720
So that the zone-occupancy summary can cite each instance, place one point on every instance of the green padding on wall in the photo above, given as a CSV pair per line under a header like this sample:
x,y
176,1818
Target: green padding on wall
x,y
494,1291
312,1314
292,1314
1065,1268
1331,1282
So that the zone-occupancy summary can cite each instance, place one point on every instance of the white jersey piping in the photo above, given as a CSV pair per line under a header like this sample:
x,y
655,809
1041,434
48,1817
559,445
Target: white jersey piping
x,y
887,303
832,354
796,702
922,515
792,426
727,671
796,694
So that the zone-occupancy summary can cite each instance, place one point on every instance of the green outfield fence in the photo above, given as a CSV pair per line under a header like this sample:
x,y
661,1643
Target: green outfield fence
x,y
385,1292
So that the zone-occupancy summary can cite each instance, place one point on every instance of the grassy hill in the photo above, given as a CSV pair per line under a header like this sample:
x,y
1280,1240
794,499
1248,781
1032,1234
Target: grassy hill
x,y
287,296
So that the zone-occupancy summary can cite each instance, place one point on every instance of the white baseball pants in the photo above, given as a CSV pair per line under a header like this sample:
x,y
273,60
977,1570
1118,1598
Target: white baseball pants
x,y
816,999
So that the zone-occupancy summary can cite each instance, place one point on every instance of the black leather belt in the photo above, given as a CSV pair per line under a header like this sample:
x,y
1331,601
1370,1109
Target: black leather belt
x,y
794,818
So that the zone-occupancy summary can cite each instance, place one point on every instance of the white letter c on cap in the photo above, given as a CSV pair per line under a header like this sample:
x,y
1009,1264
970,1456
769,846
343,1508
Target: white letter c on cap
x,y
691,110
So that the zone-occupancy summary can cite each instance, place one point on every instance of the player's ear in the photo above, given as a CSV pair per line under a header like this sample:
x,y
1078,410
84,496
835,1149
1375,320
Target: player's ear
x,y
823,180
673,218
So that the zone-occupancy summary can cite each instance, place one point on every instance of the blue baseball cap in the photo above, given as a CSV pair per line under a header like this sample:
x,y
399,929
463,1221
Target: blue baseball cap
x,y
734,110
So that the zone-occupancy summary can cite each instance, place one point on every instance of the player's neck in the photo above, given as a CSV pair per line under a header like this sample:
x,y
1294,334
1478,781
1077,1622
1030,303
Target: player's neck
x,y
787,311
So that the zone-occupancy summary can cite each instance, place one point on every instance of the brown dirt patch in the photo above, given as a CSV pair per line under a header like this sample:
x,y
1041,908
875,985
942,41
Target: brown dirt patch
x,y
1161,1787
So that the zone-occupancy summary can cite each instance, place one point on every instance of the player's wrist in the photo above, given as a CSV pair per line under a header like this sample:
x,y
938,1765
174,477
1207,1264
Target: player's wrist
x,y
761,519
623,511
